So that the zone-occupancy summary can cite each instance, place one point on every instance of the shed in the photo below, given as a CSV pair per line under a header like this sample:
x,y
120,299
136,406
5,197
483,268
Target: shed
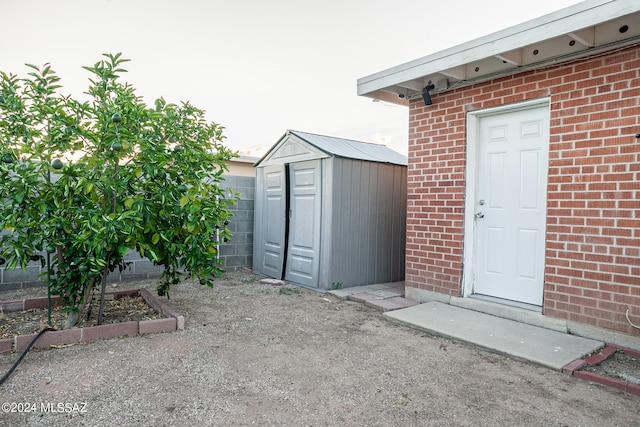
x,y
524,183
330,212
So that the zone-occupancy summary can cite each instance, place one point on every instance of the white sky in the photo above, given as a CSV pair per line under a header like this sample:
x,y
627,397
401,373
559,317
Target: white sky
x,y
258,67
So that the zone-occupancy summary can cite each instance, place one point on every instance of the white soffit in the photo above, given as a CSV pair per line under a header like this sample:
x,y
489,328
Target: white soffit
x,y
580,30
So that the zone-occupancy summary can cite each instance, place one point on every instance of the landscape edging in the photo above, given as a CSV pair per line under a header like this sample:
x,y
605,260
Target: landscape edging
x,y
576,368
171,321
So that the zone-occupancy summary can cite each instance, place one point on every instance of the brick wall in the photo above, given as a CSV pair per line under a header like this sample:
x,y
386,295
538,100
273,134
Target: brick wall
x,y
592,271
236,253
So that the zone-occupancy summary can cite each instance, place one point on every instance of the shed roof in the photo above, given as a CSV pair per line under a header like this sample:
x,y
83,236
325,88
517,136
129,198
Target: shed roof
x,y
347,148
580,30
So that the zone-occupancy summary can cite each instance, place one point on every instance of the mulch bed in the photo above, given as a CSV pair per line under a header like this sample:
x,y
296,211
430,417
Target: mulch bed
x,y
115,311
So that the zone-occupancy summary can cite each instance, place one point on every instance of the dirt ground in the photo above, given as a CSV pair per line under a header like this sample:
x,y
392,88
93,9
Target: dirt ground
x,y
255,354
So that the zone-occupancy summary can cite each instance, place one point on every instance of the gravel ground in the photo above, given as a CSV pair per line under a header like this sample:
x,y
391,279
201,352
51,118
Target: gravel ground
x,y
255,354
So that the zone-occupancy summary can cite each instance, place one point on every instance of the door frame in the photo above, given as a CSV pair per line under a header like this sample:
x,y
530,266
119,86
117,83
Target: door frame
x,y
473,139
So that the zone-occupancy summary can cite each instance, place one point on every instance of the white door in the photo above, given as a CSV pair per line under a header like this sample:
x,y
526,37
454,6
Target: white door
x,y
304,223
510,205
274,217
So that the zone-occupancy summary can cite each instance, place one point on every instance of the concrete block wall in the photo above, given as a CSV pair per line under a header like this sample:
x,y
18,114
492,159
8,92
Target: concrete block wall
x,y
236,253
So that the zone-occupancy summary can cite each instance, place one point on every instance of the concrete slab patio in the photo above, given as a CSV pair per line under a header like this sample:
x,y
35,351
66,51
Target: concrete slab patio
x,y
543,346
515,332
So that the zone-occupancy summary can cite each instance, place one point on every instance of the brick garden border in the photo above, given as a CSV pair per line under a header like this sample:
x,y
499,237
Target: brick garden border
x,y
171,321
576,367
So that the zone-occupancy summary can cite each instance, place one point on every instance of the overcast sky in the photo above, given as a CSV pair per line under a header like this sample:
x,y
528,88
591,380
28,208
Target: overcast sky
x,y
258,67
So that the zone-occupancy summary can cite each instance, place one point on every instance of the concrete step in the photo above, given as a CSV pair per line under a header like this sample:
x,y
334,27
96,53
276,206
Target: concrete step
x,y
543,346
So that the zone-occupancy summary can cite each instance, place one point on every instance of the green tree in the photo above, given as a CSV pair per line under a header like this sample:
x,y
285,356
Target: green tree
x,y
86,182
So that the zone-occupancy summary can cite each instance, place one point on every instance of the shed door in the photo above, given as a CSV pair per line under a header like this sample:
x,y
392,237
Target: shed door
x,y
510,206
304,223
274,218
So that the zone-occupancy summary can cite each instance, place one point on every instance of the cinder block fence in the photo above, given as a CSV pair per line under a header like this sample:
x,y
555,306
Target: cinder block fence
x,y
236,253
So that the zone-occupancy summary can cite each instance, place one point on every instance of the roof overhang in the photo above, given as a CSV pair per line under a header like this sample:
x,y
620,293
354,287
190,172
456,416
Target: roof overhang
x,y
581,30
296,146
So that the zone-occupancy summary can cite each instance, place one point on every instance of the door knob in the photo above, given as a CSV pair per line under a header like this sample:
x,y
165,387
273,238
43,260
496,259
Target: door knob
x,y
480,215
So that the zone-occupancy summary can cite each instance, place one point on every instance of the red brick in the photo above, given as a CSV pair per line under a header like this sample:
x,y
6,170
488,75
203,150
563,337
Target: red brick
x,y
155,326
602,355
574,366
6,345
111,330
126,293
65,336
364,297
630,352
390,304
151,300
11,306
633,389
42,302
62,337
599,379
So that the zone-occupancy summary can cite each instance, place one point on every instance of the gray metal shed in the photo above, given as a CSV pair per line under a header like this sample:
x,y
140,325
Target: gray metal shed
x,y
330,211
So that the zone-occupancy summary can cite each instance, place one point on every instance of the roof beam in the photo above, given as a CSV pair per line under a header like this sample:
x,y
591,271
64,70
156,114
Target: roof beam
x,y
586,37
412,84
458,73
513,57
385,96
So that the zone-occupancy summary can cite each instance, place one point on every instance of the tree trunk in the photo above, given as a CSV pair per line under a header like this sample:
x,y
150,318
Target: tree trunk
x,y
105,272
74,316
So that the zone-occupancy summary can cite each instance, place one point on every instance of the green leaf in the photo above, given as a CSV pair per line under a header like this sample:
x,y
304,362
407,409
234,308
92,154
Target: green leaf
x,y
154,254
86,213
